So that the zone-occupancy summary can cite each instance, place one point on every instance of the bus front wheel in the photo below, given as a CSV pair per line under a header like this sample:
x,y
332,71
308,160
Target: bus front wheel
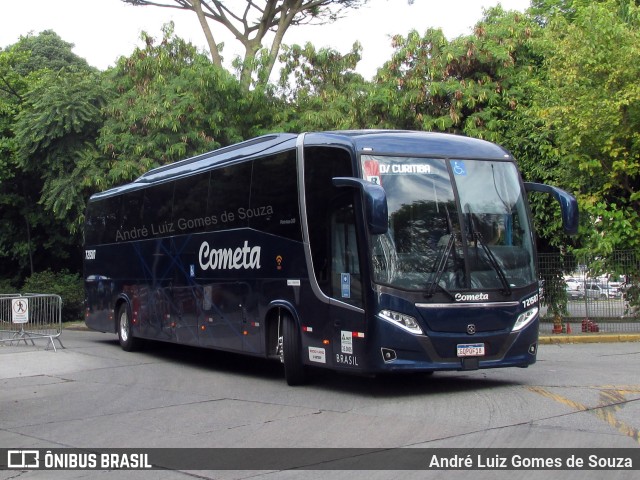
x,y
127,341
294,370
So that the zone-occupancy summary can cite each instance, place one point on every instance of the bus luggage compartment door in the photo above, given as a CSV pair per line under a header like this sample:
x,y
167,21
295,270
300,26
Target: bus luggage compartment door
x,y
221,323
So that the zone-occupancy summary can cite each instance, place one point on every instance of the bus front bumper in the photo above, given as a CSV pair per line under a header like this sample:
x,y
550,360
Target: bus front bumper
x,y
401,351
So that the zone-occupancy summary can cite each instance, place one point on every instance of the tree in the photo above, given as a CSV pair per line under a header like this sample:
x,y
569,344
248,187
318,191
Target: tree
x,y
472,84
252,20
32,238
47,50
56,131
323,90
485,85
545,10
169,102
592,102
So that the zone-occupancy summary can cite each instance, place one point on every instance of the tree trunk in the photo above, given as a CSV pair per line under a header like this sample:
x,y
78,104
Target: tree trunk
x,y
248,64
26,220
213,47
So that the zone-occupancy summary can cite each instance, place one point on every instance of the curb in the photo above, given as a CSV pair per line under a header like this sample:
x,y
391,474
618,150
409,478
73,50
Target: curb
x,y
555,339
75,326
589,338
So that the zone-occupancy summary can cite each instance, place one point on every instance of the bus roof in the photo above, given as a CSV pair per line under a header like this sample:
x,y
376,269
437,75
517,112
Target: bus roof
x,y
406,142
374,142
223,155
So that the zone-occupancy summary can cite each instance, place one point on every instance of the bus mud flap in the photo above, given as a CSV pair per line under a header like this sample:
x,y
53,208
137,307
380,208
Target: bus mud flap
x,y
471,363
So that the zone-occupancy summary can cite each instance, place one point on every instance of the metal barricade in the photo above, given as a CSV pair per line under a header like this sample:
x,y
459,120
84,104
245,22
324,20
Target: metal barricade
x,y
30,316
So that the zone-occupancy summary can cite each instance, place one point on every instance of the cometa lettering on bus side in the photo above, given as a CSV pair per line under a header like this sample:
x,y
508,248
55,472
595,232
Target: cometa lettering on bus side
x,y
244,257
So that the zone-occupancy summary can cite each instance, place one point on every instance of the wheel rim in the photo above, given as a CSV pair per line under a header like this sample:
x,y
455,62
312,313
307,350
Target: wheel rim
x,y
280,348
124,326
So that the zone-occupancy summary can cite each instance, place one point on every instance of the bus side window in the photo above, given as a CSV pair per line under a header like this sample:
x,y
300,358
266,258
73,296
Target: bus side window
x,y
157,206
130,213
102,221
229,189
274,196
190,205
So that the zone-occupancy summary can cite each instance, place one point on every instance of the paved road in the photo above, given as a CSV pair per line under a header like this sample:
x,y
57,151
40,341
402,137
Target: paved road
x,y
93,395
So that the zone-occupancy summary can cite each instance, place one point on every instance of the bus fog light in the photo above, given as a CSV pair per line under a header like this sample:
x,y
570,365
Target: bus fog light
x,y
406,322
388,355
524,319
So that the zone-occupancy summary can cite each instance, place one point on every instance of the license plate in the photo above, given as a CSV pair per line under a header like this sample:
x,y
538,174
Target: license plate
x,y
471,349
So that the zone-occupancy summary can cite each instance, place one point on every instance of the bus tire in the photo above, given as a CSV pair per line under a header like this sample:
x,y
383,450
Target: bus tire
x,y
127,341
294,369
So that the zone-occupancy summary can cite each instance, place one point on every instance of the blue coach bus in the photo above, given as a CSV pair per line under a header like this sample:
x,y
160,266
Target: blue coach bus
x,y
359,251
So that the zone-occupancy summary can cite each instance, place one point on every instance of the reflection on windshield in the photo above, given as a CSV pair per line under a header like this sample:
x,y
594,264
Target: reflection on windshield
x,y
431,243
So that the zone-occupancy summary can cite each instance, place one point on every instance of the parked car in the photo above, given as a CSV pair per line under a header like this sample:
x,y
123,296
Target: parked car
x,y
602,292
574,293
614,292
574,289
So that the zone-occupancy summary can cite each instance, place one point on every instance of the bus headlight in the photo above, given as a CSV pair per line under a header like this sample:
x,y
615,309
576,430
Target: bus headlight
x,y
406,322
524,319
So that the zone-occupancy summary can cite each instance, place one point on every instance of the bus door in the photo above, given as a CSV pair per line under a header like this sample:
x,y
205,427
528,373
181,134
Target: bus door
x,y
339,314
347,312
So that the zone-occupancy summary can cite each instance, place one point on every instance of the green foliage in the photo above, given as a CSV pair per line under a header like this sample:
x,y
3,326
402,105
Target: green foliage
x,y
13,87
61,105
31,70
555,295
472,85
68,285
254,24
7,287
545,10
47,50
322,89
56,131
169,103
592,102
156,116
483,85
557,87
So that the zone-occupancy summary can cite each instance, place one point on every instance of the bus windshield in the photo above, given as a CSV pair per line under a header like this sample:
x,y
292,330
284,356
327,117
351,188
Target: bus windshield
x,y
453,225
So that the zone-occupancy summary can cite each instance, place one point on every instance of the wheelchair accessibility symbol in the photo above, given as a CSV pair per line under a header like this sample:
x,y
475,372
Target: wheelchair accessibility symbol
x,y
459,168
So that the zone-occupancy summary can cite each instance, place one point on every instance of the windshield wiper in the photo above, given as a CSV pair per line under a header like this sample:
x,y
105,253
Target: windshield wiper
x,y
439,267
475,235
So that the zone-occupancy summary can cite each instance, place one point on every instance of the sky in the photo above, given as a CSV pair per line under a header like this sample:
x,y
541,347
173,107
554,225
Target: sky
x,y
104,30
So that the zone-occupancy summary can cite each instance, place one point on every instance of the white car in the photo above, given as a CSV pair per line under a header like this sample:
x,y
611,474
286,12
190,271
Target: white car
x,y
602,292
574,289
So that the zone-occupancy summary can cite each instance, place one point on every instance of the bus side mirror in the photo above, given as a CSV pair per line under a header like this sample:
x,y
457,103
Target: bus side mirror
x,y
375,202
568,204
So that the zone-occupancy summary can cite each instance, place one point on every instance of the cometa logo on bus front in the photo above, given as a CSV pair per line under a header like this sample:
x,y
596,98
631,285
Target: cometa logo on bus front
x,y
471,297
244,257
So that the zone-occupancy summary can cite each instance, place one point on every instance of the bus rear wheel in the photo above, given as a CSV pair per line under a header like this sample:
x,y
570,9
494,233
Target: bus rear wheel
x,y
294,369
127,341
